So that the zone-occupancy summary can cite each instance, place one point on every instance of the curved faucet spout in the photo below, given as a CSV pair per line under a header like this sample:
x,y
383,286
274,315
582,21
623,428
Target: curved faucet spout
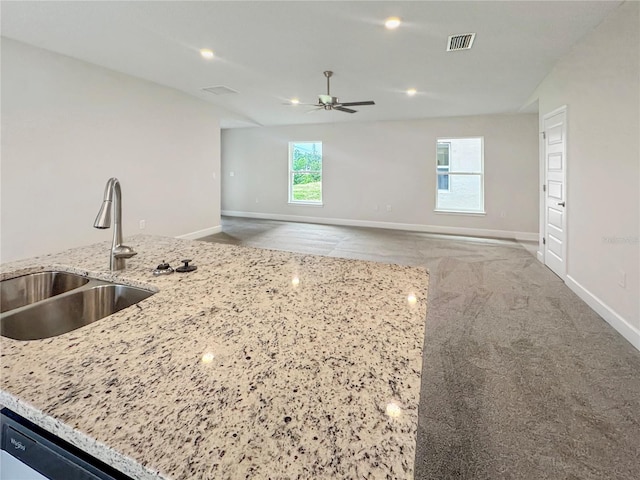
x,y
113,197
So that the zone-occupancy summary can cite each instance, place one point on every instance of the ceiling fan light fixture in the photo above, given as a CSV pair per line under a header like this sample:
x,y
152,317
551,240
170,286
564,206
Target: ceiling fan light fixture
x,y
206,53
329,102
411,92
392,23
295,101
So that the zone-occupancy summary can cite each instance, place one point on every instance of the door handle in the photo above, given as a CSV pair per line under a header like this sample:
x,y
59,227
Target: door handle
x,y
561,204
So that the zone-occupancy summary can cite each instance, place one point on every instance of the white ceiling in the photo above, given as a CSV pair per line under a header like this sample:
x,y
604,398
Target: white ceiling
x,y
272,51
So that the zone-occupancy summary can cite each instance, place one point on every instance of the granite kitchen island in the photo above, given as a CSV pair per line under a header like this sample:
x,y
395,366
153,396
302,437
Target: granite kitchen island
x,y
260,364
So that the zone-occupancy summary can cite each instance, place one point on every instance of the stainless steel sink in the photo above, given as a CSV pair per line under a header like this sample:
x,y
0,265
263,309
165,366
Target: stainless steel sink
x,y
68,311
27,289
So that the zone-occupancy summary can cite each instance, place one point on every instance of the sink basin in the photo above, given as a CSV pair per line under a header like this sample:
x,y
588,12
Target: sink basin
x,y
47,304
68,312
27,289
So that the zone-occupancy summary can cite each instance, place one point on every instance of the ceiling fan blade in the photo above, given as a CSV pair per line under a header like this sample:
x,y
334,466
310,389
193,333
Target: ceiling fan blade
x,y
353,104
314,110
342,109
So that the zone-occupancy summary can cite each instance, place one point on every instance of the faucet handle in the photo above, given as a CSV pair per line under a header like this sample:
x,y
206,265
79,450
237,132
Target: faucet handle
x,y
123,251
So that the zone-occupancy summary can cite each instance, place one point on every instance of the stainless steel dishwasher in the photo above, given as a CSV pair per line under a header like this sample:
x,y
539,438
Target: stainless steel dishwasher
x,y
31,453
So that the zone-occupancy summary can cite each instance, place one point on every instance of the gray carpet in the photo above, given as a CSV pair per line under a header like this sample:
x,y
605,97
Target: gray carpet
x,y
520,380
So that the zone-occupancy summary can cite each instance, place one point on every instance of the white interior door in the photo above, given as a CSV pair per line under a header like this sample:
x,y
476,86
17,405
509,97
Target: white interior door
x,y
555,156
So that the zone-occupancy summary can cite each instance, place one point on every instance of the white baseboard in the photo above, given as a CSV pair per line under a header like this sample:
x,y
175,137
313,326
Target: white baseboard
x,y
628,331
472,232
201,233
523,236
540,256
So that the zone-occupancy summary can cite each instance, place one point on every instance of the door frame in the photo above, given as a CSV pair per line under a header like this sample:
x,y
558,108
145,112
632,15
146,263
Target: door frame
x,y
543,192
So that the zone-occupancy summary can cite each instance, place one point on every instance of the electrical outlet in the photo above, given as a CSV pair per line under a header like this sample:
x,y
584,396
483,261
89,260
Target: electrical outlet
x,y
503,214
232,174
622,278
257,200
376,207
143,224
388,208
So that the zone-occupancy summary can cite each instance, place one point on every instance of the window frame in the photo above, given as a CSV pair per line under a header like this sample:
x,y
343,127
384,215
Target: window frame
x,y
479,212
443,173
291,173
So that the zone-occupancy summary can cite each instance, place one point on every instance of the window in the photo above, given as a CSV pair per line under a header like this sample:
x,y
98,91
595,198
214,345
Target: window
x,y
460,175
444,150
305,173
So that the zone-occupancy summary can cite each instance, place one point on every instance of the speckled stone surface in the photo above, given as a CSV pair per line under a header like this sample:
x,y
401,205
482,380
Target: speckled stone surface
x,y
260,365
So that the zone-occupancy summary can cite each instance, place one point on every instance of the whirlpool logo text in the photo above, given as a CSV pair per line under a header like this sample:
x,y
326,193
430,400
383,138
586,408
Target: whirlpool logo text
x,y
18,445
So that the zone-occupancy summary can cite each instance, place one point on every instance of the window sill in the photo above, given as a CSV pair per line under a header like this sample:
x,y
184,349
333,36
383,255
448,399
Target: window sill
x,y
458,212
307,204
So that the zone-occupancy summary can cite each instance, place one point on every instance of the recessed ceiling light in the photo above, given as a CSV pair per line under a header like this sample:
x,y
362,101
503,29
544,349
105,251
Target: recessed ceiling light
x,y
392,22
295,101
206,53
411,92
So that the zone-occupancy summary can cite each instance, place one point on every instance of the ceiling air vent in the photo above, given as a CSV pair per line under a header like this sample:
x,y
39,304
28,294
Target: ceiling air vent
x,y
219,90
462,41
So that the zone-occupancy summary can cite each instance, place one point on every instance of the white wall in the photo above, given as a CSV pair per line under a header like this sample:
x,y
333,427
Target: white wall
x,y
67,126
372,165
599,81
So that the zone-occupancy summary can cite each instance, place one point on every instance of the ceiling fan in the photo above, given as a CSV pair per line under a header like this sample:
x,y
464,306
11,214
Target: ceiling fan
x,y
327,102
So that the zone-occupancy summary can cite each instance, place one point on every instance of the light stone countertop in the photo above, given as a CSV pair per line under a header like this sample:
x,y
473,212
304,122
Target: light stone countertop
x,y
235,370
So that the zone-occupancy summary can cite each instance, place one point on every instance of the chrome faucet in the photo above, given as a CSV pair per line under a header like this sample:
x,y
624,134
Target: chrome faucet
x,y
113,195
